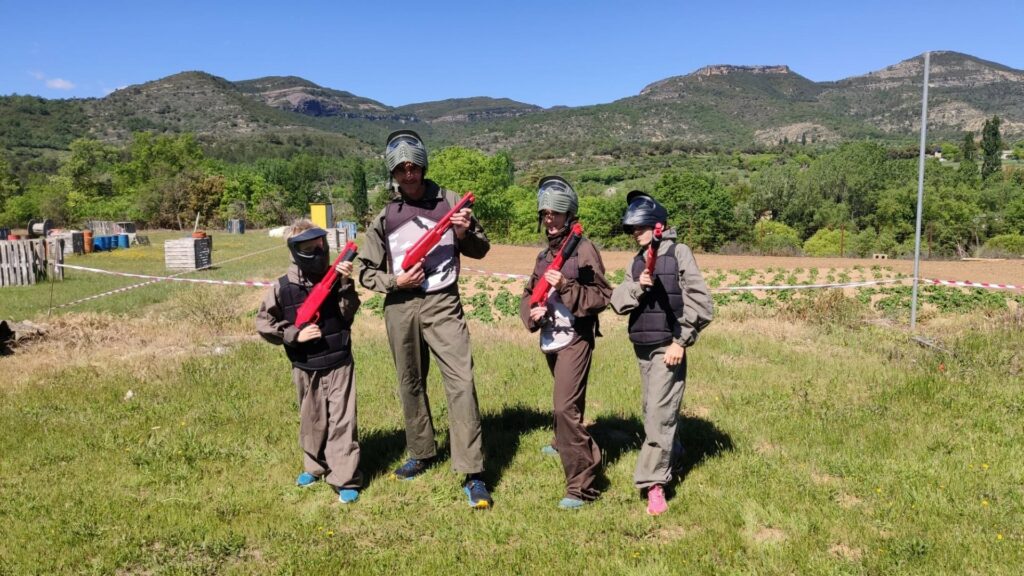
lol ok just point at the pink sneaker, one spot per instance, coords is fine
(656, 500)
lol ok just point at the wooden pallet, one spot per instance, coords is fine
(188, 253)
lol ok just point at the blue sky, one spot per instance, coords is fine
(545, 53)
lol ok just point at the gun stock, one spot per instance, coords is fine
(426, 243)
(540, 290)
(309, 312)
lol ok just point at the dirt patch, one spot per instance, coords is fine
(847, 501)
(520, 259)
(768, 535)
(845, 552)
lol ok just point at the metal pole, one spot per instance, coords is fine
(920, 194)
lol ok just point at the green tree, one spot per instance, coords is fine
(991, 147)
(775, 238)
(699, 208)
(359, 198)
(969, 147)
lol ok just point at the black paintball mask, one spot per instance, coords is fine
(312, 262)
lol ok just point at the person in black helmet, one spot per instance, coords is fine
(568, 325)
(667, 310)
(321, 356)
(423, 312)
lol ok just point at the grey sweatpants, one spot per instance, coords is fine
(419, 324)
(328, 434)
(662, 393)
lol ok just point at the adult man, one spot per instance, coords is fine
(423, 311)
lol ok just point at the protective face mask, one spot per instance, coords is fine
(313, 263)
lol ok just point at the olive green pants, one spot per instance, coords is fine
(419, 325)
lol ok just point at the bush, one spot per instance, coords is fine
(825, 242)
(1003, 245)
(776, 239)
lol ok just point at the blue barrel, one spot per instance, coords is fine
(97, 243)
(122, 240)
(111, 242)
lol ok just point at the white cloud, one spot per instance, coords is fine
(59, 84)
(55, 83)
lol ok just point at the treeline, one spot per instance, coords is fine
(854, 200)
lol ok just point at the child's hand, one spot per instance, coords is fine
(555, 278)
(311, 332)
(344, 269)
(674, 354)
(645, 279)
(537, 313)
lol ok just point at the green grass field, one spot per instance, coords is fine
(813, 447)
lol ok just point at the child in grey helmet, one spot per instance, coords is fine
(568, 324)
(667, 310)
(321, 355)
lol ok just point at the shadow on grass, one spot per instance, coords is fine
(502, 432)
(378, 450)
(700, 440)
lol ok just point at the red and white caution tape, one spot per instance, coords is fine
(254, 283)
(808, 286)
(154, 279)
(969, 284)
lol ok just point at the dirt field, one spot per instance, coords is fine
(519, 260)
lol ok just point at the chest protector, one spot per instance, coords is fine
(560, 331)
(654, 321)
(334, 347)
(404, 224)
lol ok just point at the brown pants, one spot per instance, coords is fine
(419, 324)
(581, 458)
(328, 434)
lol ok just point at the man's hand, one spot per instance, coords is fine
(555, 279)
(344, 269)
(537, 314)
(674, 354)
(461, 222)
(645, 279)
(411, 278)
(311, 332)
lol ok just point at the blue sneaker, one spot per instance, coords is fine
(306, 480)
(410, 469)
(477, 493)
(569, 503)
(549, 450)
(348, 495)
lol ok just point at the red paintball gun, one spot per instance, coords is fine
(427, 242)
(309, 312)
(540, 290)
(652, 248)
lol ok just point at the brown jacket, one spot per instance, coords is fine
(585, 296)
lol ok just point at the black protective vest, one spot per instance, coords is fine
(334, 347)
(654, 321)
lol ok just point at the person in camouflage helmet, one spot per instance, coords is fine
(667, 310)
(568, 325)
(423, 312)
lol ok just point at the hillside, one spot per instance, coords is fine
(723, 106)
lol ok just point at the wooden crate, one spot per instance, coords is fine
(74, 242)
(22, 262)
(336, 238)
(188, 253)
